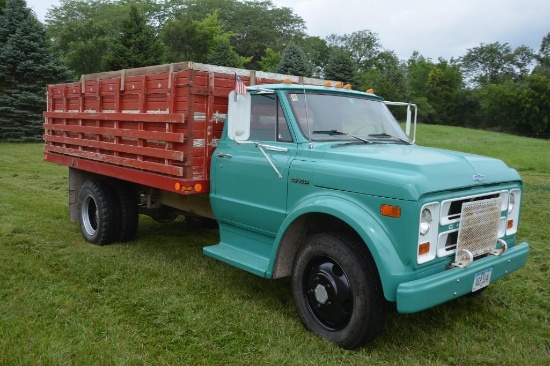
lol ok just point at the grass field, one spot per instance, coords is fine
(160, 301)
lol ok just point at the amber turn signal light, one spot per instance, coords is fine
(390, 211)
(424, 248)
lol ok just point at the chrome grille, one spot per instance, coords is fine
(478, 230)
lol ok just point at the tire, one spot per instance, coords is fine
(128, 205)
(337, 290)
(97, 212)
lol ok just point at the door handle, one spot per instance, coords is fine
(223, 155)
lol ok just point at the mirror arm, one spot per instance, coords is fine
(259, 146)
(268, 147)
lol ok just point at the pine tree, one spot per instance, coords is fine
(341, 67)
(294, 62)
(26, 67)
(224, 55)
(136, 45)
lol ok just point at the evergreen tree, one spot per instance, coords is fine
(294, 62)
(26, 67)
(224, 55)
(136, 44)
(341, 67)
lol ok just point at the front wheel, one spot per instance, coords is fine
(337, 290)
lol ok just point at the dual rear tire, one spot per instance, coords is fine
(107, 212)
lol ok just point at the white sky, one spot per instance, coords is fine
(435, 28)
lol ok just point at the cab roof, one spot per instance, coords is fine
(312, 88)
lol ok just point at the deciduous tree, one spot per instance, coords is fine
(270, 60)
(543, 57)
(387, 77)
(495, 62)
(363, 46)
(257, 25)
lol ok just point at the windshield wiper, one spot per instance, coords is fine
(385, 135)
(330, 132)
(362, 139)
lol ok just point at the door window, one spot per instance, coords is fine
(268, 122)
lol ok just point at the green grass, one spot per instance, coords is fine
(160, 301)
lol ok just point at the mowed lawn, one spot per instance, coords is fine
(160, 301)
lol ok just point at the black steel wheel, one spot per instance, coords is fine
(337, 291)
(98, 213)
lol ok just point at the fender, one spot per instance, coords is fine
(364, 223)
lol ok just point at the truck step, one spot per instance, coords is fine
(243, 249)
(239, 257)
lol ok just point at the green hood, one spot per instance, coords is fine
(403, 171)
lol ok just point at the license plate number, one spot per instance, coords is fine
(482, 279)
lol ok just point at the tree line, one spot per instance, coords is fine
(492, 86)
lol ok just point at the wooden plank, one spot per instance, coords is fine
(149, 179)
(131, 163)
(131, 117)
(121, 148)
(117, 132)
(256, 77)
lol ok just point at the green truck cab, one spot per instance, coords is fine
(322, 184)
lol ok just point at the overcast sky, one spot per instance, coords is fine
(435, 28)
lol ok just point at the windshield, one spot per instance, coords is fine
(332, 117)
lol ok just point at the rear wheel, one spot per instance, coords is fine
(337, 291)
(128, 206)
(98, 214)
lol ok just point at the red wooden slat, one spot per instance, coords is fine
(132, 175)
(131, 163)
(111, 146)
(141, 117)
(147, 135)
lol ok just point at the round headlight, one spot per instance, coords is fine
(511, 202)
(425, 221)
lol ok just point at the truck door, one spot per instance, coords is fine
(246, 188)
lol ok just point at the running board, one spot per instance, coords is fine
(243, 249)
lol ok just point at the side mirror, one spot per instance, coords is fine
(238, 116)
(408, 124)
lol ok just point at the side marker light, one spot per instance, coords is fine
(390, 211)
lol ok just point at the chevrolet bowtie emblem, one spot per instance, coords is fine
(479, 177)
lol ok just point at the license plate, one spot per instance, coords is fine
(482, 279)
